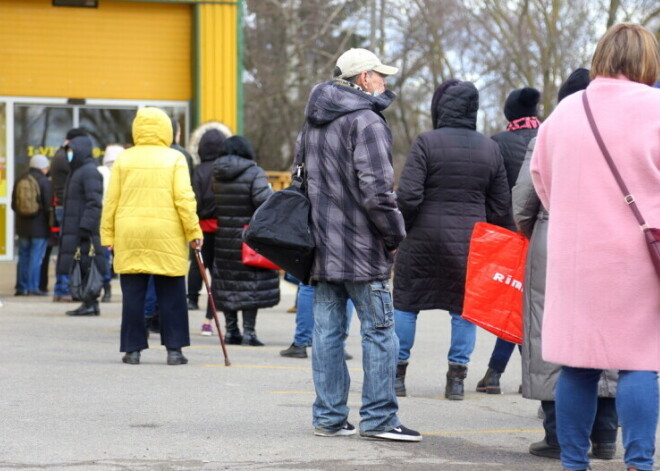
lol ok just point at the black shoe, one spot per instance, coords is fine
(107, 294)
(131, 358)
(192, 305)
(20, 292)
(603, 451)
(250, 338)
(545, 450)
(454, 390)
(85, 310)
(37, 293)
(294, 351)
(175, 357)
(490, 383)
(346, 431)
(398, 434)
(233, 337)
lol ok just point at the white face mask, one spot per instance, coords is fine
(376, 93)
(69, 155)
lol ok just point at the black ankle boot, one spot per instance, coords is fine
(107, 293)
(233, 334)
(175, 357)
(88, 308)
(249, 333)
(455, 376)
(490, 383)
(400, 380)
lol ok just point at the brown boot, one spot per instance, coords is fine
(455, 376)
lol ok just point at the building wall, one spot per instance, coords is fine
(120, 50)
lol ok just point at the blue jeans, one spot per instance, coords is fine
(61, 281)
(30, 254)
(150, 298)
(463, 336)
(305, 316)
(373, 302)
(636, 403)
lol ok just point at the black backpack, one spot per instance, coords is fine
(280, 228)
(28, 196)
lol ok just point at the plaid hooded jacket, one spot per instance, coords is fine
(355, 218)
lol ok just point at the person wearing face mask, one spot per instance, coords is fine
(83, 197)
(59, 172)
(346, 145)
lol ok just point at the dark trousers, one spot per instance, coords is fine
(194, 277)
(501, 355)
(605, 425)
(171, 293)
(45, 265)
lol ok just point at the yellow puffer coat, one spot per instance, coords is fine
(149, 212)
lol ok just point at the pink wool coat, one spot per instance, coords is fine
(602, 304)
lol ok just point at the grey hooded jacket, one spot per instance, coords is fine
(355, 219)
(539, 377)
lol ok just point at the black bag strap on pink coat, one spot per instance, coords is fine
(652, 235)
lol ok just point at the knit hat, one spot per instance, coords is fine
(578, 80)
(522, 103)
(75, 132)
(39, 161)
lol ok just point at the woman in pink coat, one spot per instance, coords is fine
(602, 305)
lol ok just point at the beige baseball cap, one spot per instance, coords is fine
(357, 60)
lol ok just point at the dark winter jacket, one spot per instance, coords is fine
(59, 172)
(83, 197)
(209, 150)
(186, 154)
(240, 187)
(36, 226)
(454, 177)
(513, 146)
(355, 219)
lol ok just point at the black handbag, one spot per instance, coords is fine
(85, 282)
(651, 234)
(280, 228)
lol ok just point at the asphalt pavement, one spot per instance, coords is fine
(68, 403)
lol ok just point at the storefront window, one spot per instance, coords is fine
(108, 126)
(38, 129)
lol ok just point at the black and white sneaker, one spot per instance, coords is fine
(398, 434)
(347, 430)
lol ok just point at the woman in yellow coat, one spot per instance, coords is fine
(149, 216)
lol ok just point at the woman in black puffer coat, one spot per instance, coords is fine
(83, 201)
(454, 177)
(240, 187)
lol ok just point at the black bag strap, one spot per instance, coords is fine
(300, 172)
(628, 197)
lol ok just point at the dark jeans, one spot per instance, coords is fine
(605, 425)
(171, 293)
(501, 355)
(194, 277)
(45, 265)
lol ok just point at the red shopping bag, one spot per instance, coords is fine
(250, 257)
(494, 281)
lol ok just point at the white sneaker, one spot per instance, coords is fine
(399, 434)
(347, 430)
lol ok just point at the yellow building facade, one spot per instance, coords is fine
(94, 64)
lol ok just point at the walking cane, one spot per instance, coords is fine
(202, 271)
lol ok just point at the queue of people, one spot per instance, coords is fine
(591, 299)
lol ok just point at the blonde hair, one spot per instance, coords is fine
(630, 50)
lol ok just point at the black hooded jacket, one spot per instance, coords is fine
(83, 201)
(240, 187)
(35, 226)
(209, 149)
(454, 177)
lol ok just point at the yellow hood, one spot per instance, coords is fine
(152, 127)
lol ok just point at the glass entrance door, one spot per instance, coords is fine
(30, 126)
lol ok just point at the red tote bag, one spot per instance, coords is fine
(254, 259)
(494, 281)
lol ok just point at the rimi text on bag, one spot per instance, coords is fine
(494, 281)
(27, 196)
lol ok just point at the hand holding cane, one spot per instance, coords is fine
(202, 271)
